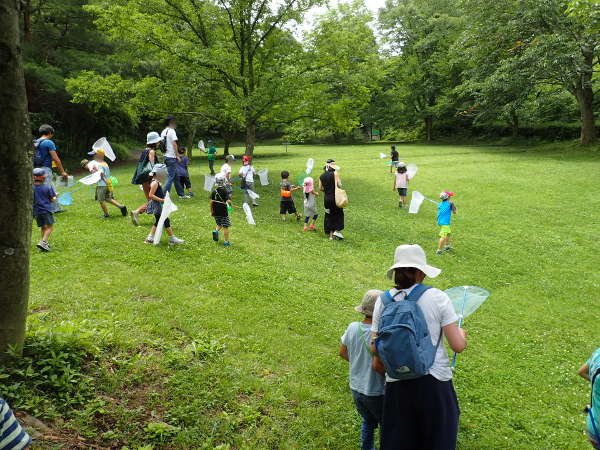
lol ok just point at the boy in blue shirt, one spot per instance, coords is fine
(367, 386)
(183, 173)
(43, 199)
(445, 210)
(45, 156)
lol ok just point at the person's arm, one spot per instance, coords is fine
(456, 337)
(321, 186)
(151, 194)
(152, 156)
(175, 147)
(338, 180)
(584, 371)
(394, 184)
(378, 365)
(453, 208)
(58, 162)
(344, 352)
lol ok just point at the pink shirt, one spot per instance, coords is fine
(402, 180)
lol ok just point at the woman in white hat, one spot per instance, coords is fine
(142, 175)
(421, 413)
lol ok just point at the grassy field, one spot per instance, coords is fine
(202, 346)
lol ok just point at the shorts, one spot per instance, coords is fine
(287, 207)
(103, 194)
(395, 163)
(185, 182)
(223, 221)
(445, 230)
(402, 192)
(166, 223)
(44, 220)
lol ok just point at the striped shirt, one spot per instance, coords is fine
(12, 436)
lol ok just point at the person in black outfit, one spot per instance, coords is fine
(334, 216)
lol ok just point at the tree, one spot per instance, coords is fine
(421, 33)
(241, 45)
(15, 177)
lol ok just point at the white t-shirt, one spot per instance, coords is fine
(438, 311)
(226, 169)
(248, 173)
(170, 136)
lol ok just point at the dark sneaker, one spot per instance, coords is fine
(227, 244)
(215, 235)
(438, 252)
(448, 249)
(105, 216)
(123, 210)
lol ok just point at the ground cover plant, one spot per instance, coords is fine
(202, 346)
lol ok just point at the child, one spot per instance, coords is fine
(310, 204)
(212, 155)
(220, 201)
(367, 385)
(445, 210)
(157, 198)
(394, 158)
(12, 436)
(286, 206)
(246, 175)
(401, 183)
(43, 197)
(226, 172)
(182, 172)
(591, 372)
(104, 188)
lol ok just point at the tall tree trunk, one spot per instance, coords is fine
(250, 137)
(428, 128)
(26, 20)
(15, 179)
(585, 98)
(227, 139)
(192, 129)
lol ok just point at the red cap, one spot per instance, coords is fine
(245, 159)
(450, 194)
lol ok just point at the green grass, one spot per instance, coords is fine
(238, 347)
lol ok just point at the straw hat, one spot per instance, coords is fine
(368, 302)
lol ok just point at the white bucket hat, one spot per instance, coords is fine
(153, 137)
(412, 256)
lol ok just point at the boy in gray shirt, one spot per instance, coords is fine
(367, 386)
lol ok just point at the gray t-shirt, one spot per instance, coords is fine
(363, 378)
(438, 311)
(286, 186)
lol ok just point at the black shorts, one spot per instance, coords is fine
(287, 207)
(223, 221)
(185, 182)
(44, 220)
(402, 192)
(157, 219)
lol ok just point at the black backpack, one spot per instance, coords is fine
(38, 160)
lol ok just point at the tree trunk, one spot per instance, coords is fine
(428, 128)
(227, 139)
(15, 179)
(585, 98)
(250, 137)
(514, 124)
(192, 129)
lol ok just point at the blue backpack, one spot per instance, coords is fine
(38, 160)
(403, 342)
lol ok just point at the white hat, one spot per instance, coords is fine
(153, 137)
(412, 256)
(158, 169)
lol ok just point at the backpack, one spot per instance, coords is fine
(143, 169)
(38, 160)
(162, 146)
(404, 343)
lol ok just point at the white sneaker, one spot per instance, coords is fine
(183, 197)
(175, 240)
(134, 218)
(43, 246)
(338, 235)
(149, 240)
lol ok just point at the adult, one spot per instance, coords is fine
(226, 172)
(45, 155)
(247, 174)
(148, 155)
(334, 216)
(420, 413)
(395, 158)
(172, 156)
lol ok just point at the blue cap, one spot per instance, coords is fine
(39, 172)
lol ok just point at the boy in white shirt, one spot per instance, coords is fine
(172, 156)
(247, 174)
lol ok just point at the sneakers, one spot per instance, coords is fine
(183, 197)
(43, 246)
(191, 194)
(215, 235)
(298, 218)
(448, 249)
(134, 218)
(254, 204)
(226, 244)
(174, 240)
(312, 228)
(105, 215)
(338, 235)
(438, 252)
(123, 210)
(305, 228)
(149, 239)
